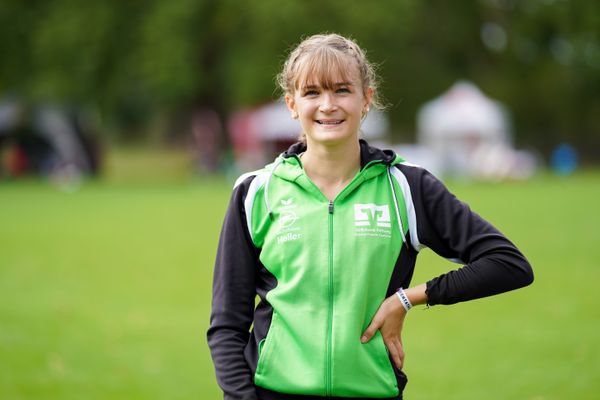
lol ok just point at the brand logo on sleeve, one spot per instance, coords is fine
(372, 220)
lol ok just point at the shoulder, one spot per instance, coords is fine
(253, 180)
(247, 189)
(418, 178)
(257, 177)
(246, 179)
(411, 177)
(411, 171)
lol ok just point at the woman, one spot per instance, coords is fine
(327, 236)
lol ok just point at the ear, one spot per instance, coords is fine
(369, 96)
(291, 105)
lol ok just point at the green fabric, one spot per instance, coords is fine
(332, 276)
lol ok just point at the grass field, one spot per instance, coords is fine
(105, 292)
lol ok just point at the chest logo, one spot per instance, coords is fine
(372, 215)
(288, 218)
(288, 230)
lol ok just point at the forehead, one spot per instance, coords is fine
(326, 71)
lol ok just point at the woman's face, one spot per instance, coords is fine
(330, 115)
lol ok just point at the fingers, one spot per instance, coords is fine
(371, 329)
(389, 321)
(396, 350)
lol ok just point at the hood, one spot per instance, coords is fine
(288, 165)
(367, 153)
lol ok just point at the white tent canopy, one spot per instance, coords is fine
(460, 112)
(461, 125)
(468, 134)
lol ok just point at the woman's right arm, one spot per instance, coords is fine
(233, 301)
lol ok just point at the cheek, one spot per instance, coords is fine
(355, 107)
(306, 110)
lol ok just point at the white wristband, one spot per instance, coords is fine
(404, 299)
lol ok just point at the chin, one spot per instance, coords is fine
(348, 131)
(333, 138)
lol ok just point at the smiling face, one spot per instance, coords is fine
(329, 100)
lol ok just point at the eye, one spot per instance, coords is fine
(343, 89)
(311, 92)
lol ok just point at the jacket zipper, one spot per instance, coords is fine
(329, 344)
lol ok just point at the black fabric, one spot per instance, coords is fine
(402, 273)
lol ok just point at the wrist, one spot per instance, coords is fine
(404, 300)
(417, 294)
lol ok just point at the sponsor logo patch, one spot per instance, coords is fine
(372, 220)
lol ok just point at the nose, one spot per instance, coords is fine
(327, 104)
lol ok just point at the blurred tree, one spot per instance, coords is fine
(151, 63)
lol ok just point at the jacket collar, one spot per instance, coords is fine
(368, 153)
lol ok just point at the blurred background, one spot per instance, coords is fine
(124, 123)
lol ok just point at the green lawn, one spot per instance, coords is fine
(105, 292)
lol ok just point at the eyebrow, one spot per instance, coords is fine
(337, 84)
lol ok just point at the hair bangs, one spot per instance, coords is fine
(325, 68)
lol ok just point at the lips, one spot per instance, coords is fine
(329, 121)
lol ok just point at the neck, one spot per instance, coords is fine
(332, 165)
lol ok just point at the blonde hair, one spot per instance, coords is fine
(324, 57)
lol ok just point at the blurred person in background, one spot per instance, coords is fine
(46, 140)
(206, 129)
(327, 236)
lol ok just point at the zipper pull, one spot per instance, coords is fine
(330, 207)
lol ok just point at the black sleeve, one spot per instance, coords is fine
(448, 226)
(233, 301)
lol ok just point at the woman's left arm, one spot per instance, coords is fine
(492, 264)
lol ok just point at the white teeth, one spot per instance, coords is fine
(337, 122)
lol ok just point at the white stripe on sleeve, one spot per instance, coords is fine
(410, 208)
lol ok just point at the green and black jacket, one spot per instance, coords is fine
(321, 269)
